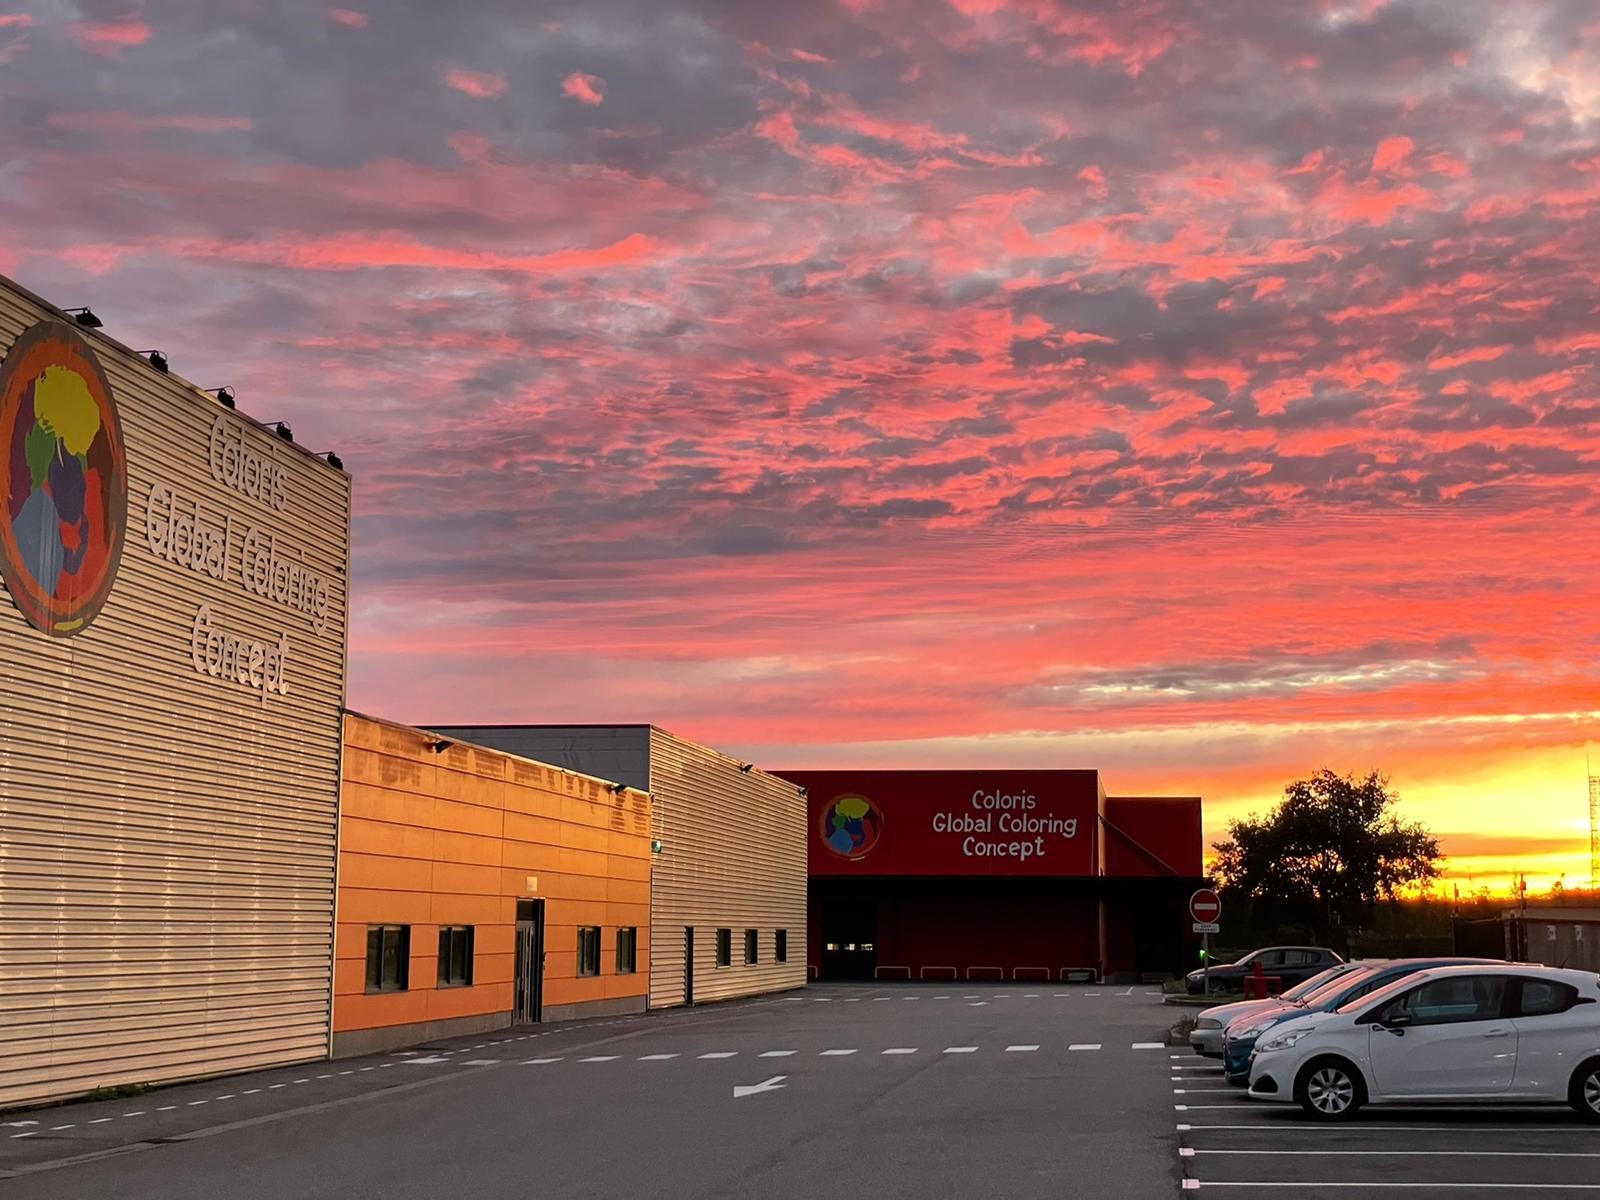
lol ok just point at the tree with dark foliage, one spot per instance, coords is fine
(1329, 852)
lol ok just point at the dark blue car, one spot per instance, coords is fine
(1240, 1041)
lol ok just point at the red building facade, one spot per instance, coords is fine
(1016, 875)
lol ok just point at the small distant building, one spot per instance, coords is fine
(1003, 875)
(1555, 935)
(728, 872)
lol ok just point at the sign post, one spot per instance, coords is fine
(1205, 910)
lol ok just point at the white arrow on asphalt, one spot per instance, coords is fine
(770, 1085)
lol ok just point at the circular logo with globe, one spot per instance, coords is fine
(63, 480)
(851, 826)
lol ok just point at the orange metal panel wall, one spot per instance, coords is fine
(451, 838)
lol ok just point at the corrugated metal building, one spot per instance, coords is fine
(479, 890)
(172, 673)
(728, 883)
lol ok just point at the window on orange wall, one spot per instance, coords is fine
(780, 946)
(589, 950)
(627, 950)
(724, 947)
(752, 947)
(388, 957)
(455, 955)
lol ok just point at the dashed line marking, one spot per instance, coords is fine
(101, 1120)
(1084, 1046)
(656, 1057)
(777, 1053)
(135, 1113)
(30, 1133)
(195, 1103)
(901, 1050)
(960, 1049)
(59, 1128)
(835, 1053)
(601, 1058)
(713, 1054)
(1020, 1049)
(540, 1061)
(1148, 1046)
(480, 1062)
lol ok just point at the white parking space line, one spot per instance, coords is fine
(1084, 1046)
(1416, 1153)
(960, 1049)
(835, 1053)
(1149, 1046)
(777, 1053)
(1191, 1184)
(901, 1050)
(713, 1054)
(1020, 1049)
(656, 1057)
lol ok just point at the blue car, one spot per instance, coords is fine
(1240, 1041)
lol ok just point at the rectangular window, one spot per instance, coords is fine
(388, 957)
(781, 945)
(627, 950)
(751, 948)
(724, 947)
(455, 955)
(589, 950)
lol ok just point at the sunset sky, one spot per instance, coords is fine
(1203, 392)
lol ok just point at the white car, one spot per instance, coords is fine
(1206, 1037)
(1482, 1033)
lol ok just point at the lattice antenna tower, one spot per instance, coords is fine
(1594, 825)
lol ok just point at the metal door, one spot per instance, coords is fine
(528, 999)
(688, 964)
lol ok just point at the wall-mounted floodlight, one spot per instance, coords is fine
(440, 745)
(746, 768)
(84, 317)
(334, 460)
(223, 394)
(656, 846)
(804, 795)
(157, 359)
(281, 429)
(618, 788)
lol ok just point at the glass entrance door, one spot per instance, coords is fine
(528, 997)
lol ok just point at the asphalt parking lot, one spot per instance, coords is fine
(1228, 1143)
(896, 1092)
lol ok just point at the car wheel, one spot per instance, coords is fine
(1584, 1094)
(1330, 1089)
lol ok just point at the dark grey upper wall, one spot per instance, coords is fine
(619, 753)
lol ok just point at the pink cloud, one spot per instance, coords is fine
(348, 17)
(1392, 153)
(119, 124)
(585, 89)
(807, 56)
(108, 38)
(16, 20)
(481, 85)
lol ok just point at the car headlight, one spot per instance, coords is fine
(1208, 1023)
(1256, 1030)
(1282, 1041)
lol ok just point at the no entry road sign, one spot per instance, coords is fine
(1205, 907)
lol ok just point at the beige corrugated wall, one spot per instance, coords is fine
(167, 837)
(734, 857)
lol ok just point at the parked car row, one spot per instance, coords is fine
(1288, 964)
(1415, 1031)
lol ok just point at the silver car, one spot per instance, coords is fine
(1212, 1024)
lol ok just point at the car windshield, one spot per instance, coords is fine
(1335, 987)
(1386, 992)
(1315, 982)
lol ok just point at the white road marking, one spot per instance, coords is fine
(720, 1054)
(777, 1053)
(656, 1057)
(59, 1128)
(979, 1004)
(431, 1058)
(875, 999)
(1019, 1049)
(528, 1062)
(767, 1085)
(1129, 992)
(100, 1120)
(193, 1103)
(229, 1096)
(902, 1050)
(835, 1053)
(1185, 1151)
(140, 1112)
(960, 1049)
(1149, 1046)
(30, 1133)
(478, 1062)
(1030, 995)
(1084, 1046)
(601, 1058)
(1424, 1153)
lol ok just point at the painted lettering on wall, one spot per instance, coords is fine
(230, 548)
(1005, 825)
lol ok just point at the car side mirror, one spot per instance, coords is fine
(1397, 1020)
